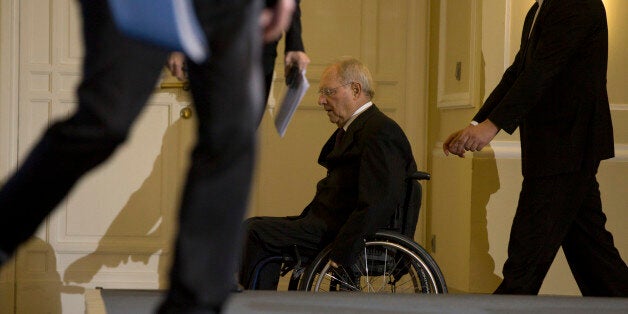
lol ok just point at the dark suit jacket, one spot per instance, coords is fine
(555, 91)
(364, 183)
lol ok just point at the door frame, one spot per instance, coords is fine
(9, 63)
(417, 74)
(9, 80)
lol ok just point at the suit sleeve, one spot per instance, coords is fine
(564, 30)
(380, 186)
(508, 79)
(294, 42)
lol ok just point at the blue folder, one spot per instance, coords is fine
(171, 24)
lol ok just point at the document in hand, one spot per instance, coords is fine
(171, 24)
(294, 94)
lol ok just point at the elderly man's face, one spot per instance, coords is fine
(336, 97)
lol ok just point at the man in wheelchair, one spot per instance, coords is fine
(367, 159)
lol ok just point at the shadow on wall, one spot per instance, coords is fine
(35, 265)
(37, 279)
(134, 236)
(485, 183)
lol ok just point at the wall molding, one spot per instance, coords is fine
(497, 150)
(512, 150)
(9, 61)
(619, 107)
(621, 153)
(467, 98)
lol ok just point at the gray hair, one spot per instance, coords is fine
(352, 70)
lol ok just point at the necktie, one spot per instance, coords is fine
(339, 134)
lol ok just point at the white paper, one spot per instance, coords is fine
(290, 102)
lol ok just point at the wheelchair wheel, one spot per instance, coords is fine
(389, 263)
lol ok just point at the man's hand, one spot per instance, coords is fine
(472, 138)
(449, 148)
(275, 20)
(298, 58)
(176, 62)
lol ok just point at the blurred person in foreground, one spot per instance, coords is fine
(119, 74)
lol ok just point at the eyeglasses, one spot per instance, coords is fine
(328, 92)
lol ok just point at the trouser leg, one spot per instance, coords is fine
(227, 92)
(273, 236)
(547, 207)
(591, 253)
(269, 54)
(118, 77)
(256, 249)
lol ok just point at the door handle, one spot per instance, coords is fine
(186, 112)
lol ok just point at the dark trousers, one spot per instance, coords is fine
(274, 236)
(563, 210)
(119, 75)
(269, 55)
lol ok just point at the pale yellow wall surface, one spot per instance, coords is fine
(472, 201)
(450, 225)
(457, 44)
(616, 11)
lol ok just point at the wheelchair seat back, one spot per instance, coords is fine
(406, 215)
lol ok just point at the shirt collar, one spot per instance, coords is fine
(356, 113)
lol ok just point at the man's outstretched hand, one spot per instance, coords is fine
(472, 138)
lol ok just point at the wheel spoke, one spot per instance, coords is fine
(385, 279)
(400, 264)
(340, 281)
(366, 265)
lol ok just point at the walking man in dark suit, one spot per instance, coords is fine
(294, 51)
(555, 92)
(294, 55)
(367, 160)
(119, 74)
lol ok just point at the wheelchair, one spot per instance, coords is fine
(391, 262)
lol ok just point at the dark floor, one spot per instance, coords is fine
(143, 301)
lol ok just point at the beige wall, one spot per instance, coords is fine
(472, 200)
